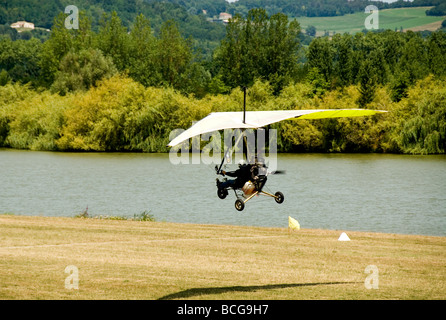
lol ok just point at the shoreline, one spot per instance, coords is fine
(167, 152)
(130, 220)
(153, 220)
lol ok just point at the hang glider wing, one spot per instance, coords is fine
(257, 119)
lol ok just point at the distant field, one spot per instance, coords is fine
(407, 18)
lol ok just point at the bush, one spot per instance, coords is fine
(80, 71)
(96, 119)
(421, 119)
(34, 123)
(122, 115)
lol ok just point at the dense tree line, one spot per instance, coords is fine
(77, 58)
(41, 13)
(120, 114)
(372, 59)
(120, 89)
(439, 10)
(191, 15)
(259, 46)
(206, 34)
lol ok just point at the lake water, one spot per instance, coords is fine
(365, 192)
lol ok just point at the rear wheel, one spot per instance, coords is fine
(239, 205)
(222, 193)
(279, 197)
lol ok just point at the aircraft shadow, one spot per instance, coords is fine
(219, 290)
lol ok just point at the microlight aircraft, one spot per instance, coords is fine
(243, 120)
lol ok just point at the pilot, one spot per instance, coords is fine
(241, 175)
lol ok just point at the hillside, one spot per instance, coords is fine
(197, 18)
(393, 19)
(42, 14)
(301, 8)
(191, 15)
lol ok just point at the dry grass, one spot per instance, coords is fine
(158, 260)
(429, 27)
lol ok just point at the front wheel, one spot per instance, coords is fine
(239, 205)
(279, 197)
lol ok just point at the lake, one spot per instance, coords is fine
(362, 192)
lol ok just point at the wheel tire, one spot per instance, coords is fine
(222, 193)
(239, 205)
(279, 197)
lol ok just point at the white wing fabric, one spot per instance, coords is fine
(257, 119)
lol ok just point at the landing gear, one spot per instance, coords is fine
(222, 193)
(278, 196)
(244, 195)
(239, 205)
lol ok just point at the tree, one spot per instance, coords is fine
(436, 51)
(421, 119)
(439, 10)
(320, 56)
(414, 59)
(54, 49)
(83, 36)
(174, 54)
(367, 82)
(232, 57)
(20, 59)
(258, 47)
(282, 51)
(196, 80)
(342, 66)
(392, 46)
(82, 70)
(378, 65)
(142, 53)
(317, 81)
(61, 41)
(399, 86)
(113, 40)
(311, 31)
(4, 77)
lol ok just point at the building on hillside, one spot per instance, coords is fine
(224, 17)
(21, 25)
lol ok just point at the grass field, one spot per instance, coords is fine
(159, 260)
(407, 18)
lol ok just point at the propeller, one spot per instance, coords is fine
(277, 172)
